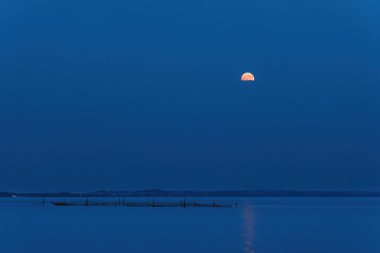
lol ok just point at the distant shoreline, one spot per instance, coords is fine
(194, 193)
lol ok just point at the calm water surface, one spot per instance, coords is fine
(260, 225)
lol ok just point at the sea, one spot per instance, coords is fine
(251, 225)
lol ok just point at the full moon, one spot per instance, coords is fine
(247, 77)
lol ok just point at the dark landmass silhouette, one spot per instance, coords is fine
(198, 193)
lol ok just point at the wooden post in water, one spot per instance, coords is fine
(43, 201)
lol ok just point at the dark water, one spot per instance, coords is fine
(260, 225)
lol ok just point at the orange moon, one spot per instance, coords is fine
(247, 77)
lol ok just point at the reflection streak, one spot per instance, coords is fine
(248, 229)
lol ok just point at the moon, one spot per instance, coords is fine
(247, 77)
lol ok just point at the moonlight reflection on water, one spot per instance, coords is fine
(248, 228)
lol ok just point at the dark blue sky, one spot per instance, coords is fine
(146, 94)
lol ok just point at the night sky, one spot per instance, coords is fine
(147, 94)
